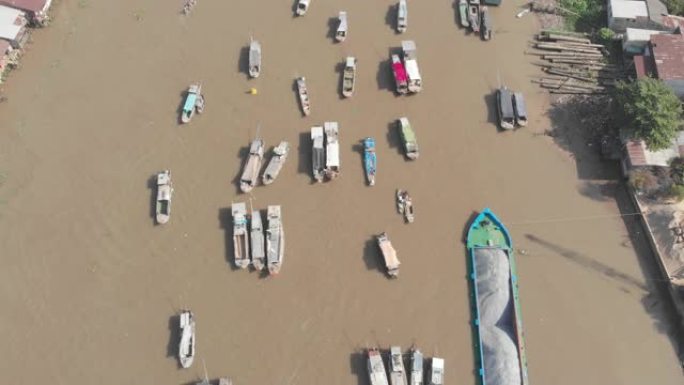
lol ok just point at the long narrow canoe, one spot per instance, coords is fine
(497, 319)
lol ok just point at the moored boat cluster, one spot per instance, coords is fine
(397, 370)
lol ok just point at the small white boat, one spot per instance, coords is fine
(302, 7)
(186, 346)
(257, 241)
(303, 96)
(275, 240)
(436, 371)
(240, 237)
(416, 367)
(341, 33)
(376, 368)
(349, 77)
(463, 13)
(397, 371)
(402, 16)
(276, 163)
(254, 59)
(250, 175)
(389, 254)
(332, 150)
(194, 102)
(318, 153)
(405, 205)
(164, 193)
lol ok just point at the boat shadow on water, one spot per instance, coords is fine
(358, 148)
(174, 337)
(332, 24)
(391, 17)
(492, 114)
(304, 161)
(243, 155)
(373, 258)
(339, 70)
(225, 217)
(152, 186)
(243, 61)
(358, 366)
(394, 137)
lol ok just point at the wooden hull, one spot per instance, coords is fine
(186, 345)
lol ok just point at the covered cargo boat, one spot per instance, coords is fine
(349, 77)
(303, 94)
(186, 345)
(341, 33)
(496, 308)
(437, 372)
(275, 240)
(240, 237)
(257, 241)
(164, 193)
(276, 163)
(389, 254)
(415, 81)
(402, 16)
(318, 153)
(376, 368)
(504, 103)
(400, 77)
(416, 367)
(250, 175)
(254, 59)
(463, 13)
(408, 138)
(332, 150)
(397, 371)
(486, 24)
(520, 109)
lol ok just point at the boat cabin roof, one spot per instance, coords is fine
(369, 143)
(505, 102)
(399, 70)
(257, 147)
(408, 46)
(519, 104)
(407, 130)
(238, 209)
(412, 69)
(351, 61)
(317, 132)
(190, 101)
(163, 178)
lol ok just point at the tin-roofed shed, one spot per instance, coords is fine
(12, 25)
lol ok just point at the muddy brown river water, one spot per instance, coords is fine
(89, 285)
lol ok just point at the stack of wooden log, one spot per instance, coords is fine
(574, 65)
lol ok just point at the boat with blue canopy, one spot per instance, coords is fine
(499, 337)
(194, 102)
(369, 160)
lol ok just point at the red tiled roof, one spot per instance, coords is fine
(672, 21)
(668, 55)
(644, 66)
(25, 5)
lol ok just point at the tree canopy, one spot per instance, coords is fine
(650, 110)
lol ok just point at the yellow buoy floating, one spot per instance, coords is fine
(253, 91)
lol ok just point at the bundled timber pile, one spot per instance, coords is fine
(573, 64)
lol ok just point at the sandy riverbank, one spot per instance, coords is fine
(89, 284)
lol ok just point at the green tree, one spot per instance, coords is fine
(650, 109)
(676, 7)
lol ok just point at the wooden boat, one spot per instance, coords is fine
(240, 238)
(302, 7)
(463, 13)
(520, 109)
(225, 381)
(436, 371)
(486, 24)
(405, 205)
(376, 368)
(496, 305)
(318, 153)
(416, 367)
(221, 381)
(349, 77)
(397, 371)
(369, 160)
(257, 241)
(474, 17)
(504, 104)
(400, 77)
(186, 346)
(164, 193)
(332, 150)
(408, 138)
(341, 33)
(415, 81)
(303, 96)
(402, 16)
(194, 102)
(275, 240)
(389, 254)
(254, 59)
(276, 163)
(250, 175)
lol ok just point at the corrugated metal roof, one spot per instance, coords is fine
(628, 9)
(11, 22)
(644, 66)
(27, 5)
(656, 10)
(668, 55)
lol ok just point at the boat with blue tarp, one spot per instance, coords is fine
(194, 102)
(497, 326)
(370, 160)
